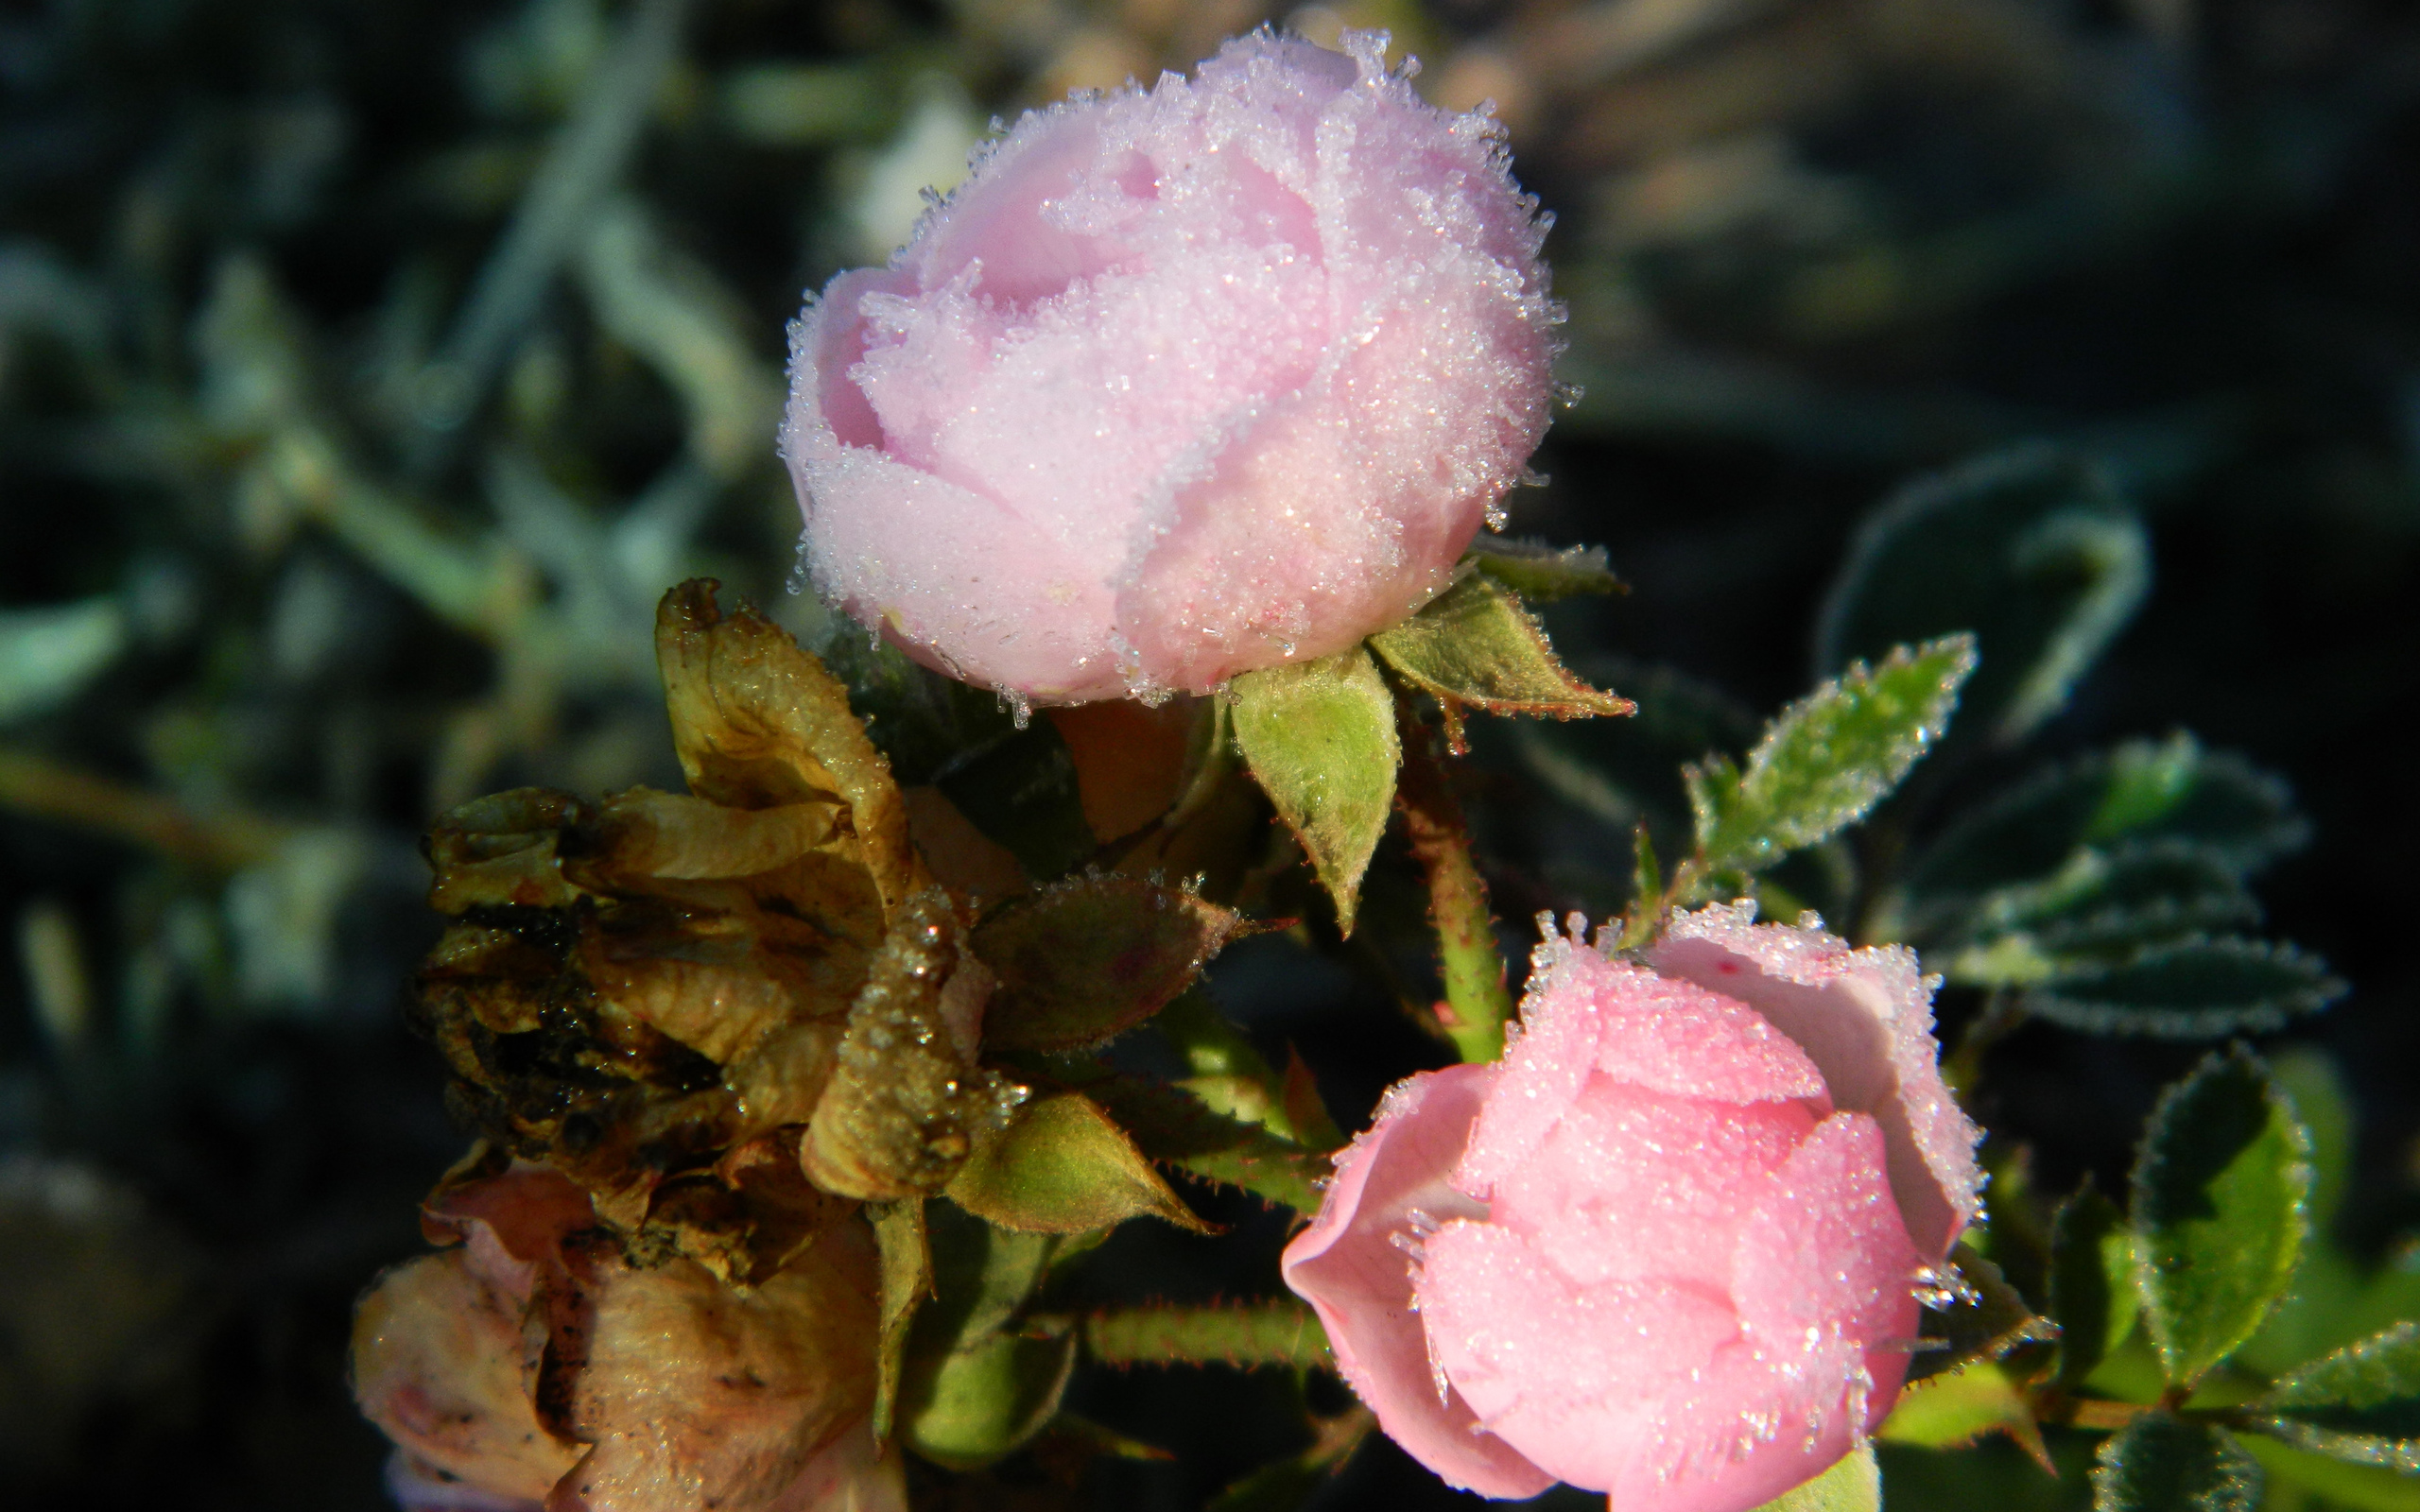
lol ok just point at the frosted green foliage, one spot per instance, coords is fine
(2160, 1464)
(2192, 989)
(1829, 758)
(1853, 1485)
(2361, 1404)
(2093, 1296)
(2219, 1210)
(2031, 549)
(1320, 737)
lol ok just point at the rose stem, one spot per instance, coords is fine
(1477, 1000)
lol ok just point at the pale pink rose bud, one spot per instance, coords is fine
(1180, 383)
(1670, 1246)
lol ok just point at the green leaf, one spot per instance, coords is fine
(2310, 1081)
(1020, 789)
(2361, 1487)
(2195, 988)
(2116, 900)
(1852, 1485)
(1089, 958)
(1320, 737)
(1540, 572)
(48, 655)
(907, 1273)
(2360, 1405)
(1175, 1127)
(2217, 1211)
(1829, 758)
(977, 1405)
(2033, 550)
(1953, 1410)
(1979, 1316)
(2143, 791)
(1474, 646)
(1281, 1332)
(2160, 1464)
(2092, 1282)
(1061, 1167)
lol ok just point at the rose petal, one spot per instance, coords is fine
(1636, 1185)
(1352, 1264)
(1568, 1374)
(1864, 1017)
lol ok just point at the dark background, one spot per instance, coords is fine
(1812, 250)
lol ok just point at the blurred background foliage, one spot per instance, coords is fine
(368, 368)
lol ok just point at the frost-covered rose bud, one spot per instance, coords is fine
(1667, 1248)
(1180, 383)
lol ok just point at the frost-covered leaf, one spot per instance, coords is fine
(977, 1405)
(2339, 1484)
(2161, 1464)
(1979, 1316)
(1955, 1409)
(1091, 958)
(2194, 988)
(1853, 1485)
(2218, 1212)
(1246, 1334)
(1475, 647)
(2104, 900)
(1540, 572)
(1828, 757)
(1176, 1129)
(1320, 738)
(2143, 791)
(1061, 1167)
(2361, 1404)
(2092, 1282)
(2309, 1078)
(47, 655)
(2033, 550)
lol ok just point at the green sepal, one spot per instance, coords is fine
(906, 1275)
(2033, 550)
(1063, 1166)
(1276, 1332)
(983, 1276)
(1854, 1483)
(2219, 1194)
(1320, 738)
(1983, 1318)
(1291, 1482)
(1082, 961)
(2091, 1284)
(2360, 1405)
(1829, 758)
(1540, 572)
(2191, 989)
(977, 1405)
(2163, 1464)
(1474, 646)
(1961, 1406)
(1176, 1129)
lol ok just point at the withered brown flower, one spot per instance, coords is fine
(724, 1014)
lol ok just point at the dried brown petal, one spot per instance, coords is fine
(696, 1394)
(759, 723)
(907, 1101)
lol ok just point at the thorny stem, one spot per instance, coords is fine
(1475, 994)
(1245, 1334)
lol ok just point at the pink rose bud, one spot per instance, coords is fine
(1180, 383)
(1668, 1247)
